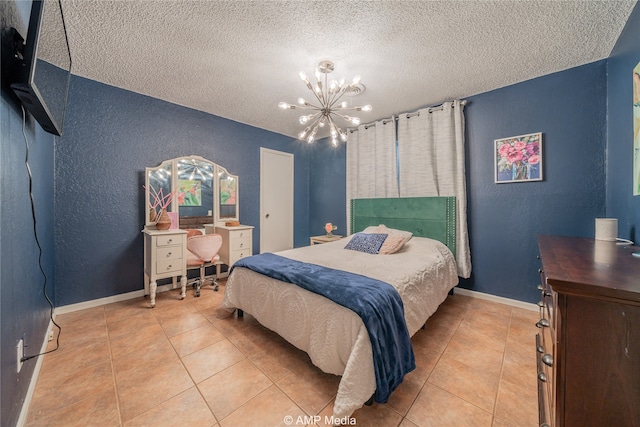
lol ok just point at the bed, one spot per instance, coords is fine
(335, 338)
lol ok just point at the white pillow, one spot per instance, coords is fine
(395, 240)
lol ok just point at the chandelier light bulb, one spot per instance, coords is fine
(326, 106)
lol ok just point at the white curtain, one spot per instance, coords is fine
(371, 163)
(432, 163)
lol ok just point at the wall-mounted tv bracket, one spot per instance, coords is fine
(12, 54)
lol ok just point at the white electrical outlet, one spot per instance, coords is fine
(50, 335)
(20, 353)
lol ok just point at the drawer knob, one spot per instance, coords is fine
(170, 240)
(540, 287)
(168, 254)
(241, 244)
(540, 303)
(542, 377)
(540, 349)
(169, 267)
(540, 271)
(543, 323)
(547, 359)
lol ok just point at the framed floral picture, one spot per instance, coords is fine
(518, 158)
(636, 130)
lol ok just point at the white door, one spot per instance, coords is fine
(276, 200)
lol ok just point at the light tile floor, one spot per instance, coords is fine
(188, 362)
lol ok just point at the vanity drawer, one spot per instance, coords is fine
(240, 244)
(170, 239)
(238, 254)
(168, 266)
(169, 252)
(240, 234)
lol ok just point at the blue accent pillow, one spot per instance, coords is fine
(366, 242)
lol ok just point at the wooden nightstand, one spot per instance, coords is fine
(324, 239)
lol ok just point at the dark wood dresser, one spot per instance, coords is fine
(588, 346)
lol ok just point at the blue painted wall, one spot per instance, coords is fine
(111, 135)
(569, 108)
(621, 203)
(24, 311)
(504, 219)
(327, 180)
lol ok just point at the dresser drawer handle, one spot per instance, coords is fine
(543, 323)
(170, 240)
(540, 303)
(540, 287)
(168, 254)
(540, 349)
(542, 377)
(241, 244)
(547, 359)
(540, 271)
(169, 267)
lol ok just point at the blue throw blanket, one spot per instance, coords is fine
(376, 302)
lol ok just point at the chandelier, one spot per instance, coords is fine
(327, 109)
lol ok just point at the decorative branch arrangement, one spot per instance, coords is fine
(160, 201)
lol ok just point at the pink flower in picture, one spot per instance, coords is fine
(514, 155)
(518, 158)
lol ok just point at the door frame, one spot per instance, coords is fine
(289, 187)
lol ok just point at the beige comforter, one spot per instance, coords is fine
(335, 338)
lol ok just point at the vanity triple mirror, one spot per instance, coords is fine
(200, 191)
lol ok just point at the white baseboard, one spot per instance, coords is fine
(24, 412)
(108, 300)
(494, 298)
(102, 301)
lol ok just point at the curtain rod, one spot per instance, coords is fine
(409, 115)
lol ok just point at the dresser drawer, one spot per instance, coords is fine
(170, 239)
(544, 390)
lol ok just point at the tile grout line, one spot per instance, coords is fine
(504, 356)
(113, 369)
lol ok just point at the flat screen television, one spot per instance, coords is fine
(44, 67)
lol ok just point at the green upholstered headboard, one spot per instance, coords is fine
(433, 217)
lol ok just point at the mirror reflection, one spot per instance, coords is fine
(198, 198)
(159, 187)
(195, 188)
(228, 195)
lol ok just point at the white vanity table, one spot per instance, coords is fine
(237, 241)
(164, 257)
(206, 196)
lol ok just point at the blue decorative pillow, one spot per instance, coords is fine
(366, 242)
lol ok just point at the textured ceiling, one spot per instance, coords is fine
(238, 59)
